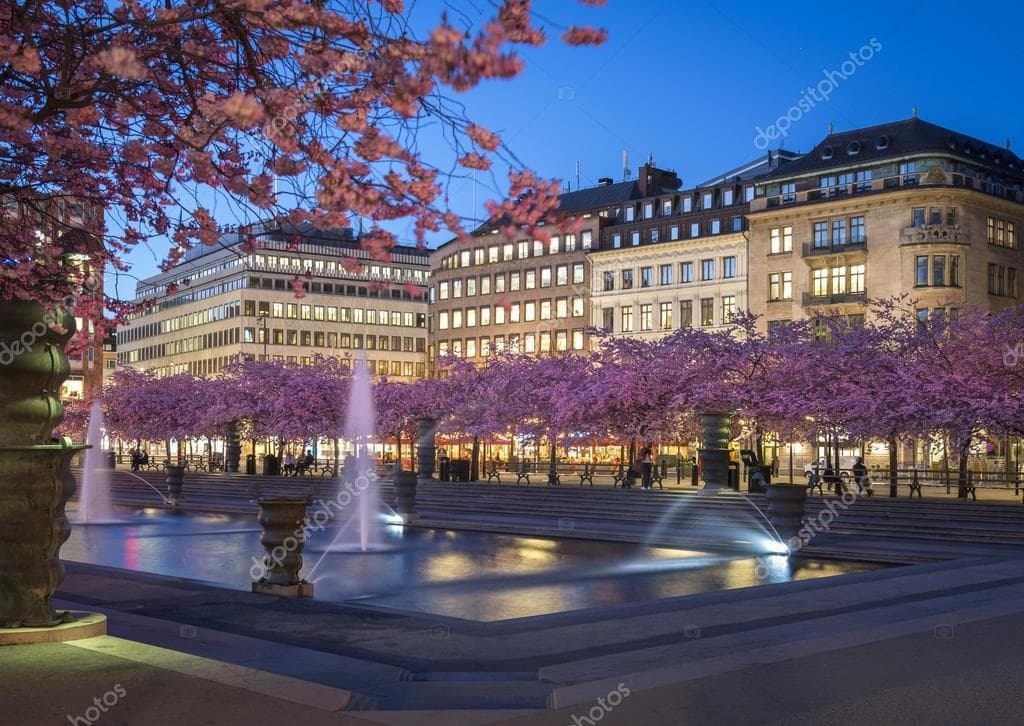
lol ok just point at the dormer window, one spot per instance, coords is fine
(853, 148)
(826, 153)
(882, 143)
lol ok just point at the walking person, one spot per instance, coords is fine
(646, 467)
(860, 475)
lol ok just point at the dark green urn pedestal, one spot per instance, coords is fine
(786, 504)
(284, 535)
(426, 447)
(405, 495)
(714, 450)
(35, 474)
(175, 483)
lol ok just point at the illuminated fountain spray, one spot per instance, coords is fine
(360, 426)
(94, 499)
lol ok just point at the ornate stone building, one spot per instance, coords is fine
(905, 207)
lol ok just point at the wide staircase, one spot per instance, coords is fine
(658, 517)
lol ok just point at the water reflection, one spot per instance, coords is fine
(479, 576)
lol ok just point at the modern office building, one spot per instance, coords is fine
(291, 298)
(900, 208)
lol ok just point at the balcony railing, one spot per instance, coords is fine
(835, 299)
(934, 177)
(811, 250)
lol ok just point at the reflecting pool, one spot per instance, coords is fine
(472, 575)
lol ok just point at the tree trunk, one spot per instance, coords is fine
(553, 462)
(965, 450)
(893, 467)
(474, 460)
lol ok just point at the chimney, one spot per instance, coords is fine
(625, 165)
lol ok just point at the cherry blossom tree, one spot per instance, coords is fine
(141, 406)
(131, 122)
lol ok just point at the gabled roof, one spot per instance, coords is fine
(899, 139)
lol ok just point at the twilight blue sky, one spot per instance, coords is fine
(691, 81)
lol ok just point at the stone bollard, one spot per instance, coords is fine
(405, 495)
(786, 509)
(233, 450)
(284, 535)
(175, 482)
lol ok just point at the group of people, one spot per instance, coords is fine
(833, 480)
(643, 467)
(297, 467)
(139, 459)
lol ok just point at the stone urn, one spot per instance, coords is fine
(283, 521)
(714, 449)
(786, 511)
(175, 482)
(405, 495)
(426, 430)
(35, 474)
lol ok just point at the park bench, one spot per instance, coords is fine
(587, 474)
(523, 473)
(492, 472)
(326, 469)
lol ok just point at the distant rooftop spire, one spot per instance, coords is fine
(913, 111)
(830, 127)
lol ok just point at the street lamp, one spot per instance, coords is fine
(262, 322)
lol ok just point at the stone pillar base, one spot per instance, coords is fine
(76, 626)
(301, 589)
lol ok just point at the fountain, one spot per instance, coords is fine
(357, 508)
(94, 505)
(359, 477)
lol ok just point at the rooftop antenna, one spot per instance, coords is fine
(625, 165)
(830, 127)
(913, 111)
(1009, 144)
(578, 176)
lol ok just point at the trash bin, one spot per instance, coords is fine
(250, 464)
(694, 473)
(445, 471)
(734, 475)
(111, 458)
(271, 467)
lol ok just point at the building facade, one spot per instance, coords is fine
(643, 252)
(292, 298)
(677, 258)
(900, 208)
